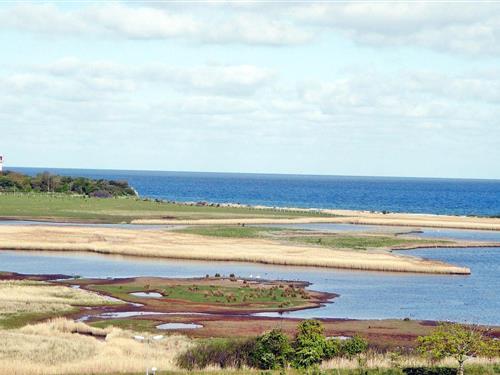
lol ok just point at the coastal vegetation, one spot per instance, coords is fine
(273, 350)
(78, 208)
(360, 241)
(170, 244)
(209, 294)
(50, 183)
(24, 301)
(63, 346)
(60, 345)
(458, 341)
(311, 351)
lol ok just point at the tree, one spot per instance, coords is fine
(452, 340)
(354, 346)
(272, 350)
(310, 344)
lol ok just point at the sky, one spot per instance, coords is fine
(340, 88)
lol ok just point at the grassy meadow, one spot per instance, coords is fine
(24, 301)
(360, 241)
(272, 297)
(63, 207)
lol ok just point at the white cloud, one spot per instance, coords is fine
(233, 80)
(418, 97)
(72, 91)
(465, 28)
(208, 105)
(217, 79)
(143, 22)
(105, 91)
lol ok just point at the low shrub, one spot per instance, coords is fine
(310, 344)
(333, 349)
(354, 346)
(272, 351)
(218, 352)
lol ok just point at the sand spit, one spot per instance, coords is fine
(354, 217)
(168, 244)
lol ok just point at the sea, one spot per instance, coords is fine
(363, 295)
(392, 194)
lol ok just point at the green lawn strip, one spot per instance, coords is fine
(231, 231)
(269, 297)
(360, 242)
(123, 209)
(12, 321)
(137, 325)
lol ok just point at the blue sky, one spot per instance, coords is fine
(353, 88)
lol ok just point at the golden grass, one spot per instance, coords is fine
(378, 360)
(351, 217)
(53, 348)
(23, 297)
(168, 244)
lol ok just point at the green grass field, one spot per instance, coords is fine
(136, 325)
(65, 207)
(360, 242)
(213, 294)
(231, 231)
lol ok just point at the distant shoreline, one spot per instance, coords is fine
(147, 211)
(449, 196)
(340, 216)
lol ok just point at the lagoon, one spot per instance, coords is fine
(363, 295)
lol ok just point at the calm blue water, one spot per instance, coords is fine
(418, 195)
(363, 295)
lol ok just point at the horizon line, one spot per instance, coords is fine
(257, 173)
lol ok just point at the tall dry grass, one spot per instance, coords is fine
(377, 360)
(26, 297)
(167, 244)
(53, 348)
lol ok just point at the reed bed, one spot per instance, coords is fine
(168, 244)
(55, 348)
(385, 360)
(22, 299)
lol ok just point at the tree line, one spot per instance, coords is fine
(51, 183)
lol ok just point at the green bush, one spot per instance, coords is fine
(272, 351)
(310, 344)
(333, 349)
(218, 352)
(354, 346)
